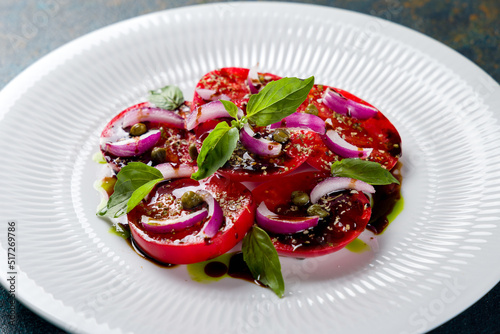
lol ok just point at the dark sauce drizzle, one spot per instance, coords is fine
(384, 200)
(136, 249)
(237, 269)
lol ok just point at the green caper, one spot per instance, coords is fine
(158, 155)
(193, 152)
(281, 136)
(190, 199)
(138, 129)
(312, 109)
(300, 198)
(317, 210)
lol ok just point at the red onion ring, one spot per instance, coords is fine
(259, 146)
(342, 105)
(274, 223)
(211, 95)
(333, 184)
(152, 115)
(133, 146)
(174, 172)
(339, 146)
(301, 121)
(174, 224)
(206, 112)
(215, 214)
(253, 81)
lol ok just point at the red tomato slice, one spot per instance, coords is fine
(349, 214)
(184, 247)
(231, 81)
(376, 132)
(176, 142)
(244, 166)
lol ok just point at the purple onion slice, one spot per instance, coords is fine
(339, 146)
(211, 95)
(333, 184)
(206, 112)
(133, 146)
(149, 114)
(253, 81)
(259, 146)
(170, 171)
(342, 105)
(215, 215)
(174, 224)
(274, 223)
(301, 121)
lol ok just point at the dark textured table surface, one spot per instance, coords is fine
(31, 29)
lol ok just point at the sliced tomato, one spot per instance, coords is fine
(244, 166)
(350, 211)
(231, 81)
(176, 142)
(376, 132)
(186, 246)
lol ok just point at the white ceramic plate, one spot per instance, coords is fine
(435, 260)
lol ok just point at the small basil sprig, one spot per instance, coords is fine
(276, 101)
(134, 182)
(262, 259)
(216, 150)
(168, 97)
(363, 170)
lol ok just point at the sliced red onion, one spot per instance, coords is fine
(149, 114)
(253, 81)
(133, 146)
(170, 172)
(206, 112)
(301, 121)
(342, 105)
(274, 223)
(174, 224)
(211, 95)
(259, 146)
(339, 146)
(215, 215)
(333, 184)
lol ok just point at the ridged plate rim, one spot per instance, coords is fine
(466, 72)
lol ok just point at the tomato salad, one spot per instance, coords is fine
(182, 169)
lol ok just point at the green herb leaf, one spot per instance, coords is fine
(133, 183)
(367, 171)
(231, 108)
(216, 150)
(168, 97)
(262, 259)
(277, 100)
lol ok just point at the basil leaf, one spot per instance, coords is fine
(231, 108)
(367, 171)
(134, 182)
(262, 260)
(216, 150)
(168, 97)
(277, 100)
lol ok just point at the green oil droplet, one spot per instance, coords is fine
(396, 210)
(99, 158)
(118, 230)
(357, 246)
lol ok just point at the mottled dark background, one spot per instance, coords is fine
(31, 29)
